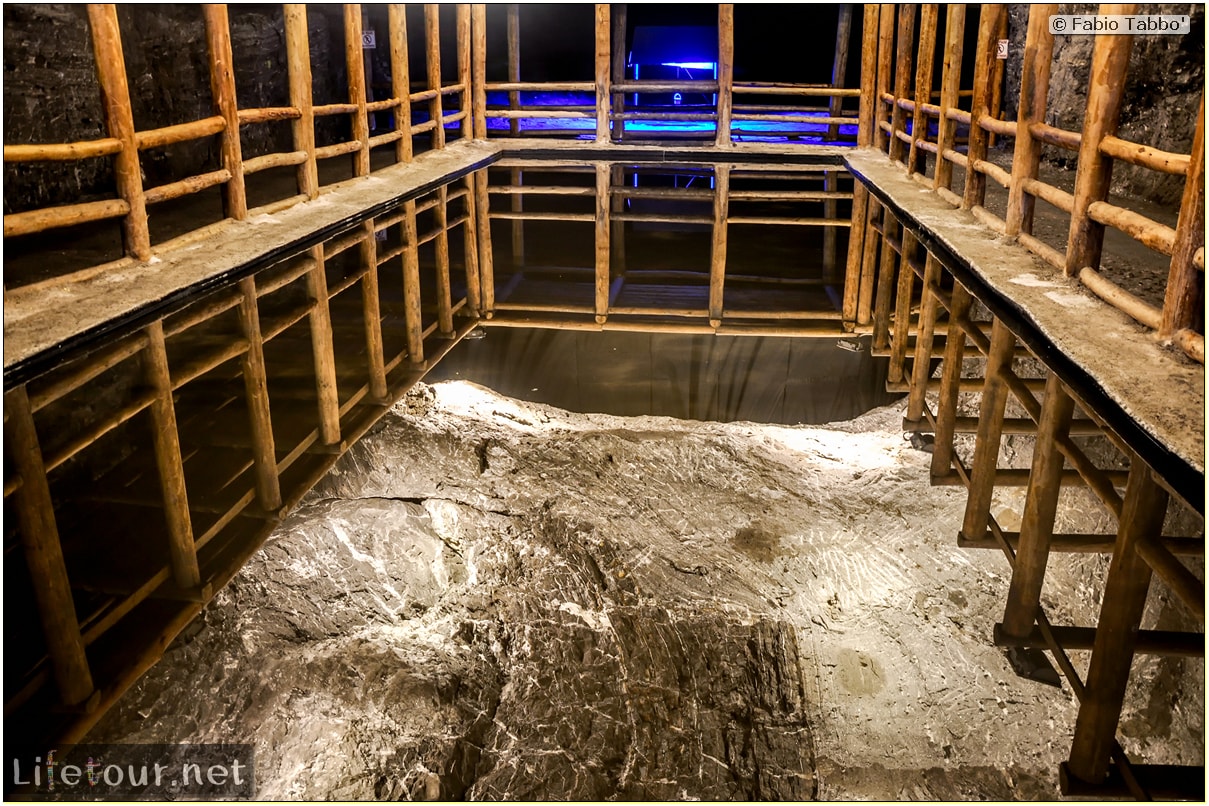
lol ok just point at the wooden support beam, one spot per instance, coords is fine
(486, 257)
(1148, 642)
(1120, 614)
(432, 41)
(400, 80)
(885, 287)
(990, 17)
(950, 85)
(514, 65)
(986, 447)
(323, 352)
(726, 74)
(864, 310)
(603, 60)
(1182, 306)
(372, 312)
(902, 307)
(478, 25)
(717, 258)
(517, 178)
(602, 241)
(354, 62)
(256, 390)
(856, 244)
(1109, 63)
(619, 59)
(462, 22)
(921, 368)
(868, 101)
(182, 551)
(119, 119)
(470, 250)
(222, 88)
(411, 286)
(444, 294)
(1040, 507)
(928, 14)
(44, 554)
(298, 60)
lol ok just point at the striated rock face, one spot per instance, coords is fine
(495, 600)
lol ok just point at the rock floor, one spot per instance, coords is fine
(495, 600)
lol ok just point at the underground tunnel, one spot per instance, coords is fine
(596, 402)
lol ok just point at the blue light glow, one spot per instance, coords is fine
(692, 65)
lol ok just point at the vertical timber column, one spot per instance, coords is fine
(478, 27)
(950, 382)
(864, 309)
(603, 86)
(323, 351)
(181, 548)
(412, 315)
(856, 240)
(514, 65)
(44, 554)
(432, 40)
(256, 389)
(717, 255)
(354, 62)
(902, 76)
(1034, 87)
(885, 69)
(222, 87)
(464, 97)
(1040, 507)
(902, 307)
(482, 213)
(868, 99)
(726, 73)
(831, 178)
(603, 174)
(989, 17)
(619, 51)
(470, 250)
(444, 295)
(119, 118)
(885, 282)
(1181, 306)
(858, 233)
(950, 85)
(921, 367)
(1116, 632)
(990, 431)
(400, 81)
(928, 14)
(371, 306)
(298, 56)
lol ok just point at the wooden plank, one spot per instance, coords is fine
(726, 73)
(222, 88)
(400, 79)
(181, 549)
(602, 241)
(298, 63)
(44, 554)
(119, 118)
(1120, 614)
(323, 351)
(603, 59)
(1181, 305)
(354, 62)
(372, 311)
(717, 259)
(432, 41)
(264, 456)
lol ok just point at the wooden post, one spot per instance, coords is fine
(619, 54)
(444, 295)
(990, 428)
(603, 86)
(255, 380)
(602, 235)
(222, 87)
(372, 307)
(298, 55)
(885, 283)
(864, 309)
(119, 118)
(411, 286)
(865, 133)
(921, 367)
(44, 554)
(181, 549)
(514, 65)
(902, 76)
(400, 81)
(856, 240)
(928, 14)
(323, 351)
(486, 256)
(517, 201)
(1034, 87)
(1109, 63)
(354, 62)
(1040, 507)
(470, 250)
(478, 26)
(463, 27)
(1182, 306)
(902, 307)
(885, 68)
(717, 260)
(950, 382)
(1116, 633)
(432, 41)
(617, 204)
(950, 85)
(726, 73)
(831, 178)
(989, 17)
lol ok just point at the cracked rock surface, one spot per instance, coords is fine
(494, 600)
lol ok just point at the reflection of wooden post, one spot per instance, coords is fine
(298, 56)
(323, 351)
(1040, 507)
(463, 27)
(1034, 87)
(181, 549)
(514, 65)
(256, 391)
(617, 233)
(400, 80)
(619, 53)
(44, 554)
(990, 430)
(412, 316)
(222, 88)
(444, 295)
(865, 132)
(354, 60)
(984, 70)
(603, 86)
(432, 36)
(717, 261)
(486, 258)
(115, 93)
(602, 239)
(478, 25)
(1181, 306)
(726, 72)
(1116, 632)
(950, 84)
(923, 86)
(902, 76)
(372, 308)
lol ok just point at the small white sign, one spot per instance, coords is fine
(1002, 51)
(369, 40)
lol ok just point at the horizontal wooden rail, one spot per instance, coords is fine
(66, 216)
(62, 152)
(1056, 137)
(1145, 156)
(184, 187)
(170, 135)
(1120, 299)
(1137, 226)
(268, 114)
